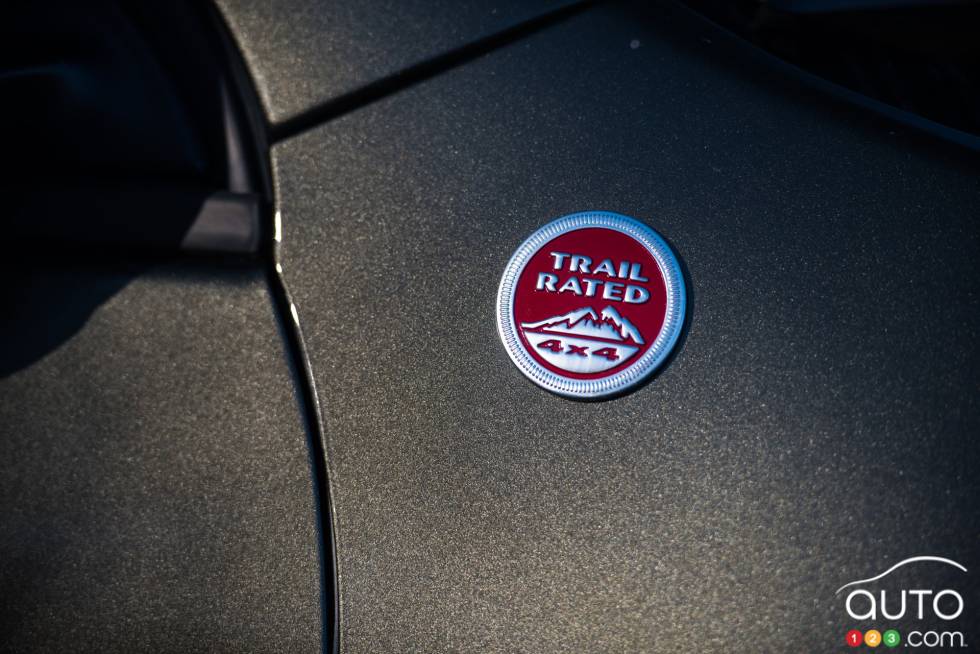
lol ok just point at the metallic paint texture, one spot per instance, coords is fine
(819, 420)
(155, 486)
(306, 52)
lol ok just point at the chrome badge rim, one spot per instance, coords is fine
(650, 360)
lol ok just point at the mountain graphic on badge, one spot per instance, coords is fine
(583, 341)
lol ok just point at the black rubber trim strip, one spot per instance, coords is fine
(258, 130)
(326, 515)
(385, 86)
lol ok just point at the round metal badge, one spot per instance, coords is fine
(591, 304)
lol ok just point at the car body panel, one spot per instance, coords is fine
(302, 53)
(157, 491)
(814, 412)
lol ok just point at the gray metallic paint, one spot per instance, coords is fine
(305, 52)
(154, 470)
(816, 424)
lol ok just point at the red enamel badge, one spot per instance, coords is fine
(591, 304)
